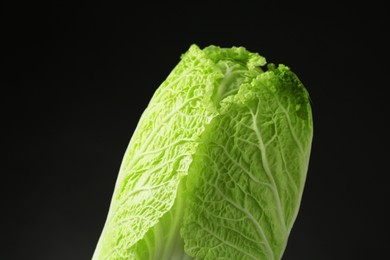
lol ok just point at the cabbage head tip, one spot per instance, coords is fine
(217, 164)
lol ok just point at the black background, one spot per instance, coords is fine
(77, 78)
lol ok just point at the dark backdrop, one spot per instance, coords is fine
(77, 78)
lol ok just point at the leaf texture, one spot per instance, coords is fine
(249, 172)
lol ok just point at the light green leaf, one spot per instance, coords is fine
(246, 180)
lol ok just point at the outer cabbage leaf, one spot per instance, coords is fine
(246, 181)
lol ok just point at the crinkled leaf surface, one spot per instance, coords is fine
(217, 164)
(246, 181)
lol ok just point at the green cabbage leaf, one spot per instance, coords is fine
(217, 164)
